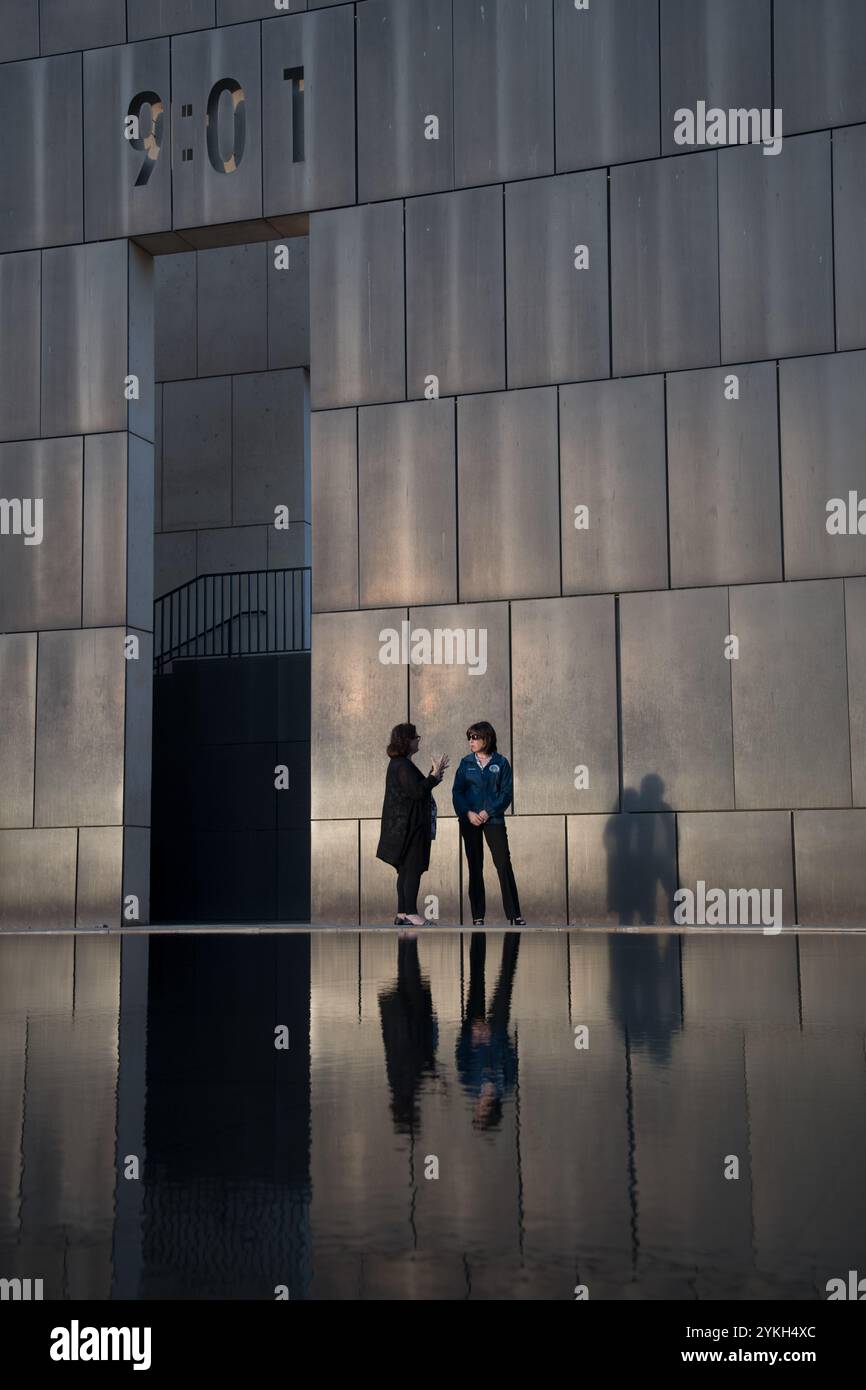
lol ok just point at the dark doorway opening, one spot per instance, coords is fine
(230, 815)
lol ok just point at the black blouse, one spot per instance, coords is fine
(406, 810)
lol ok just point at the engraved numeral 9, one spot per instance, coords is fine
(151, 143)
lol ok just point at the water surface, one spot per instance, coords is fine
(313, 1166)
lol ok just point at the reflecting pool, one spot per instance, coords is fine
(364, 1115)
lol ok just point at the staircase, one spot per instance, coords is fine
(244, 613)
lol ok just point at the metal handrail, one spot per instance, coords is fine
(236, 613)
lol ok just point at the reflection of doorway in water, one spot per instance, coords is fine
(228, 1126)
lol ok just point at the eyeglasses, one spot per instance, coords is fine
(475, 738)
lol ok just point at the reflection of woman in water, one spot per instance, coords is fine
(486, 1056)
(410, 1033)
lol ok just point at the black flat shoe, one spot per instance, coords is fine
(478, 921)
(518, 921)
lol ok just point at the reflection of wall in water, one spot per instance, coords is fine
(608, 1164)
(59, 1009)
(307, 1167)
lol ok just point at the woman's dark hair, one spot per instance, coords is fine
(485, 731)
(401, 736)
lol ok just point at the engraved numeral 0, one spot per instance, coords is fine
(230, 164)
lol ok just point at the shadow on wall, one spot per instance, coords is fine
(641, 855)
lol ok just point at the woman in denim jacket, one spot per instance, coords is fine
(483, 790)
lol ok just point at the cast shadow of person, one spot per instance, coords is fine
(645, 986)
(410, 1033)
(486, 1053)
(641, 856)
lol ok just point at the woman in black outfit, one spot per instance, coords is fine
(408, 812)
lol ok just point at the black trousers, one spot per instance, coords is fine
(497, 842)
(409, 872)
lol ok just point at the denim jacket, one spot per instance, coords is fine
(487, 789)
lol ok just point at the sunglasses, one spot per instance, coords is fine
(475, 738)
